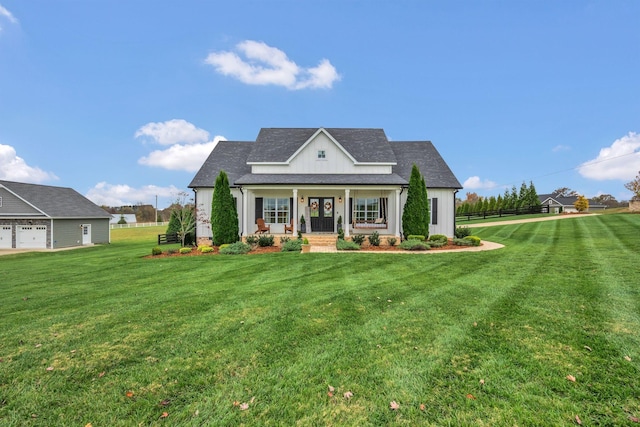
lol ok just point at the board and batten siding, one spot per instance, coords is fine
(445, 214)
(203, 199)
(335, 161)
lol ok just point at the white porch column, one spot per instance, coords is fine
(295, 212)
(345, 222)
(245, 216)
(398, 216)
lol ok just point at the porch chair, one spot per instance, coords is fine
(289, 227)
(262, 227)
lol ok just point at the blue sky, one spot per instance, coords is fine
(123, 100)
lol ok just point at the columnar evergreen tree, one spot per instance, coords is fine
(499, 202)
(426, 213)
(523, 196)
(414, 219)
(532, 194)
(224, 215)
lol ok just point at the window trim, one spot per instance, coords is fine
(280, 215)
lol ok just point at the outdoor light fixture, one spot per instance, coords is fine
(340, 199)
(301, 199)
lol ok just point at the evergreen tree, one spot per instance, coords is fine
(224, 215)
(499, 202)
(413, 216)
(523, 196)
(426, 213)
(534, 200)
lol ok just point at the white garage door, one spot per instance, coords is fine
(5, 237)
(32, 236)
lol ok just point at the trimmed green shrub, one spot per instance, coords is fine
(252, 240)
(224, 246)
(414, 245)
(347, 245)
(224, 215)
(374, 239)
(391, 241)
(340, 233)
(156, 251)
(305, 241)
(438, 240)
(467, 241)
(416, 237)
(172, 251)
(358, 239)
(291, 246)
(284, 239)
(205, 249)
(264, 241)
(185, 250)
(237, 248)
(462, 232)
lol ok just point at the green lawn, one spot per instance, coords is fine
(104, 336)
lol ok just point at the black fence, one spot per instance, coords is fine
(527, 210)
(165, 239)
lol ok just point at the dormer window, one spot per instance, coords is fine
(322, 154)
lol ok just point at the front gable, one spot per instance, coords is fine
(322, 153)
(13, 205)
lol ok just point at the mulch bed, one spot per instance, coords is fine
(271, 249)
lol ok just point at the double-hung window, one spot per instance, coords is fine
(366, 209)
(276, 210)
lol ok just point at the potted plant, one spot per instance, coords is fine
(306, 247)
(339, 223)
(303, 224)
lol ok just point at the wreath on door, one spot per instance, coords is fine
(327, 206)
(314, 205)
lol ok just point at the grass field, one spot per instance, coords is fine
(540, 332)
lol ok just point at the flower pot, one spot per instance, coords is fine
(306, 248)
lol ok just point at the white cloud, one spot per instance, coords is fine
(189, 146)
(266, 65)
(475, 183)
(619, 161)
(5, 13)
(14, 168)
(173, 132)
(123, 195)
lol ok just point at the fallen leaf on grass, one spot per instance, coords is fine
(627, 358)
(50, 368)
(422, 407)
(331, 389)
(471, 396)
(88, 425)
(348, 395)
(330, 393)
(481, 382)
(244, 406)
(587, 348)
(165, 402)
(129, 394)
(38, 345)
(101, 374)
(578, 420)
(571, 378)
(236, 403)
(394, 405)
(635, 419)
(164, 415)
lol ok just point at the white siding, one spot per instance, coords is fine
(335, 161)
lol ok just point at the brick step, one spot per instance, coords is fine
(321, 239)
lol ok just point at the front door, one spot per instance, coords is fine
(321, 213)
(86, 234)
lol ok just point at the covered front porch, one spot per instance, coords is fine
(355, 209)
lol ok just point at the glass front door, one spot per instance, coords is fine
(321, 213)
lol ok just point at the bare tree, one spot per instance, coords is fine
(634, 187)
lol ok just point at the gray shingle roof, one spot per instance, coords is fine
(230, 156)
(435, 170)
(279, 144)
(56, 202)
(326, 179)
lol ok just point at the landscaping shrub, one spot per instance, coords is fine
(347, 245)
(467, 241)
(374, 239)
(438, 240)
(156, 251)
(264, 241)
(172, 251)
(185, 250)
(391, 241)
(416, 237)
(205, 249)
(292, 246)
(224, 245)
(462, 232)
(414, 245)
(305, 241)
(358, 239)
(252, 240)
(284, 239)
(237, 248)
(340, 233)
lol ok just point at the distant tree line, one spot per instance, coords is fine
(511, 199)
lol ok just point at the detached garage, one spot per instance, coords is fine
(45, 217)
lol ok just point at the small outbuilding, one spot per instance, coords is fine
(36, 216)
